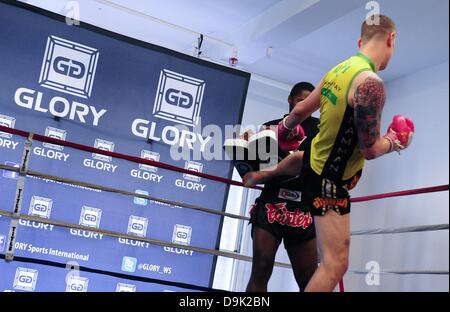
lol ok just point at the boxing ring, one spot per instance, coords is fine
(24, 171)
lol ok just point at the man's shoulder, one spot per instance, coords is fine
(365, 81)
(310, 121)
(368, 74)
(273, 122)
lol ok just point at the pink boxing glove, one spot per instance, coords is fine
(400, 133)
(289, 139)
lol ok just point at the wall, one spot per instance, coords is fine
(424, 97)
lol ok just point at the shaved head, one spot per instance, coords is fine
(377, 27)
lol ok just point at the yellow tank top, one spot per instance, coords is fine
(334, 151)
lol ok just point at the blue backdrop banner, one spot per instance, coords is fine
(93, 87)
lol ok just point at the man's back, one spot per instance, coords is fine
(334, 151)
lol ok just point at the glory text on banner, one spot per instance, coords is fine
(90, 86)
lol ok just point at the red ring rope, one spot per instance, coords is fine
(432, 189)
(341, 286)
(139, 160)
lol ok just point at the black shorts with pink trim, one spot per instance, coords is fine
(286, 220)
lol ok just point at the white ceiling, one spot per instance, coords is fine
(308, 36)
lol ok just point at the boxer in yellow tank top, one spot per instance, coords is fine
(334, 152)
(351, 98)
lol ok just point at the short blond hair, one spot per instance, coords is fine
(377, 26)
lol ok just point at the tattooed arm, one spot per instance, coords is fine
(367, 97)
